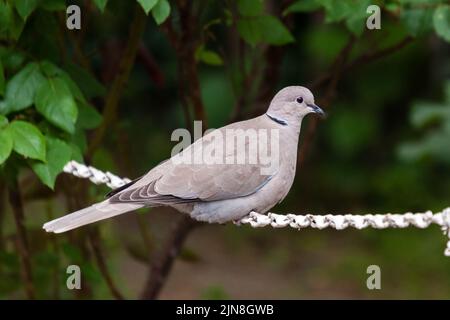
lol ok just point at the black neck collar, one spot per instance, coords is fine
(277, 120)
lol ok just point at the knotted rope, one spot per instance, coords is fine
(338, 222)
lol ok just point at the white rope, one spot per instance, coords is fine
(338, 222)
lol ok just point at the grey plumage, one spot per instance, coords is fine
(213, 192)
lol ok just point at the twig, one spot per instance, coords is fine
(21, 241)
(363, 59)
(112, 99)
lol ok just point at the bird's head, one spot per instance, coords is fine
(292, 103)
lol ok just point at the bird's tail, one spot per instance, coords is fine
(96, 212)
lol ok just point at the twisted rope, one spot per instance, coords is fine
(338, 222)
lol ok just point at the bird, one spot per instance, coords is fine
(214, 192)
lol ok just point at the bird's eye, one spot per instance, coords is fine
(300, 100)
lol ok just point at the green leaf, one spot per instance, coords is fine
(302, 6)
(25, 7)
(55, 102)
(11, 25)
(353, 12)
(6, 144)
(88, 117)
(77, 155)
(79, 139)
(356, 24)
(89, 85)
(2, 79)
(337, 10)
(441, 21)
(249, 30)
(276, 32)
(21, 89)
(16, 28)
(147, 5)
(264, 29)
(101, 4)
(161, 11)
(58, 154)
(6, 17)
(425, 113)
(52, 70)
(417, 20)
(250, 8)
(49, 69)
(208, 56)
(27, 140)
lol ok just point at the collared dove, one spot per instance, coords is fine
(213, 192)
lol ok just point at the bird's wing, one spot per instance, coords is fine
(174, 182)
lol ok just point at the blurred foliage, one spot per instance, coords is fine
(435, 119)
(367, 156)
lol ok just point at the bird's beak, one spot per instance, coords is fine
(318, 110)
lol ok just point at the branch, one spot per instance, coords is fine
(184, 44)
(163, 262)
(15, 200)
(363, 59)
(95, 244)
(112, 99)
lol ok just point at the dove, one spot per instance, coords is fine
(215, 192)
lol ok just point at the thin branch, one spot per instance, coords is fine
(363, 59)
(115, 92)
(15, 200)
